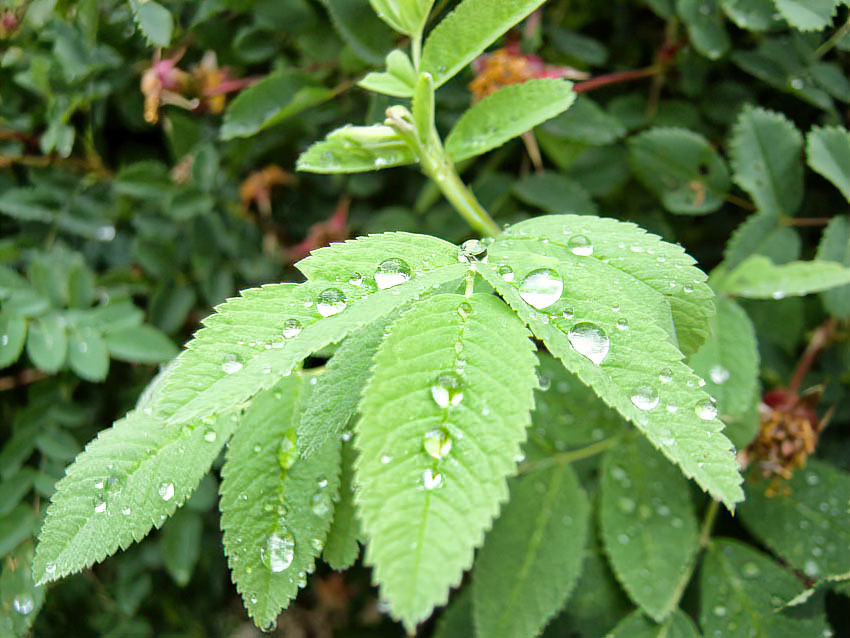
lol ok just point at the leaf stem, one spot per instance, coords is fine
(615, 78)
(570, 456)
(708, 523)
(827, 46)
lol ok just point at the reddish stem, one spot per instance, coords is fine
(816, 344)
(614, 78)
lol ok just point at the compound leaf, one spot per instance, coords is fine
(828, 152)
(648, 525)
(276, 508)
(532, 557)
(442, 420)
(765, 152)
(759, 278)
(506, 114)
(463, 34)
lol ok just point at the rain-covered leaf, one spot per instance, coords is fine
(342, 546)
(47, 342)
(20, 598)
(807, 15)
(88, 355)
(828, 152)
(13, 333)
(753, 15)
(356, 149)
(835, 246)
(554, 193)
(706, 28)
(637, 625)
(759, 278)
(507, 113)
(682, 168)
(648, 525)
(442, 420)
(532, 557)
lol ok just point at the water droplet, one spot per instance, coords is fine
(541, 288)
(356, 279)
(448, 390)
(392, 272)
(623, 539)
(99, 502)
(627, 505)
(50, 571)
(568, 313)
(589, 340)
(23, 604)
(666, 375)
(317, 544)
(706, 409)
(166, 491)
(210, 436)
(322, 483)
(778, 294)
(231, 365)
(99, 484)
(750, 570)
(320, 503)
(645, 397)
(279, 550)
(126, 511)
(798, 84)
(291, 328)
(622, 324)
(687, 289)
(386, 459)
(431, 479)
(105, 233)
(330, 301)
(719, 374)
(287, 452)
(438, 444)
(812, 478)
(720, 610)
(472, 250)
(580, 245)
(506, 273)
(544, 383)
(271, 625)
(464, 310)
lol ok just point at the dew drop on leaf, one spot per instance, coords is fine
(666, 375)
(99, 502)
(472, 250)
(431, 480)
(438, 444)
(719, 374)
(330, 301)
(210, 436)
(589, 340)
(230, 364)
(356, 279)
(320, 503)
(541, 288)
(386, 459)
(166, 491)
(706, 409)
(392, 272)
(580, 245)
(645, 397)
(464, 310)
(506, 273)
(291, 328)
(279, 550)
(287, 451)
(269, 627)
(447, 390)
(23, 604)
(622, 324)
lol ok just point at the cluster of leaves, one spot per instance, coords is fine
(426, 435)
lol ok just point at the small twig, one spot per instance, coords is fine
(533, 150)
(24, 377)
(806, 221)
(615, 78)
(827, 46)
(708, 523)
(571, 456)
(817, 343)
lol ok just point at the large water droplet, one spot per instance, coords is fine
(645, 397)
(431, 480)
(706, 409)
(279, 551)
(448, 389)
(230, 364)
(287, 452)
(166, 491)
(330, 302)
(23, 604)
(580, 245)
(506, 273)
(392, 272)
(438, 443)
(541, 288)
(589, 340)
(719, 374)
(291, 328)
(472, 250)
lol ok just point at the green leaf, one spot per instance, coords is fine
(253, 340)
(154, 21)
(337, 391)
(605, 328)
(706, 28)
(648, 525)
(741, 590)
(88, 355)
(759, 278)
(181, 545)
(140, 344)
(456, 621)
(13, 333)
(356, 149)
(636, 625)
(14, 488)
(442, 419)
(342, 547)
(270, 101)
(682, 168)
(752, 15)
(532, 557)
(807, 15)
(828, 152)
(16, 526)
(729, 361)
(398, 80)
(762, 234)
(806, 522)
(464, 34)
(554, 193)
(20, 599)
(47, 343)
(360, 28)
(275, 508)
(835, 246)
(765, 152)
(129, 479)
(506, 114)
(405, 16)
(585, 122)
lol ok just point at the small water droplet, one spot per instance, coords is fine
(291, 328)
(464, 310)
(568, 313)
(431, 480)
(719, 374)
(589, 340)
(279, 550)
(23, 604)
(622, 324)
(627, 505)
(356, 279)
(330, 301)
(645, 397)
(392, 272)
(448, 390)
(437, 444)
(720, 610)
(750, 570)
(386, 459)
(210, 436)
(320, 503)
(472, 250)
(543, 383)
(99, 502)
(666, 375)
(623, 539)
(231, 365)
(580, 245)
(541, 288)
(317, 544)
(287, 452)
(166, 491)
(687, 289)
(99, 484)
(126, 511)
(778, 294)
(706, 409)
(812, 478)
(506, 273)
(797, 84)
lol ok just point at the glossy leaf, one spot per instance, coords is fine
(835, 246)
(759, 278)
(828, 152)
(356, 149)
(342, 546)
(155, 21)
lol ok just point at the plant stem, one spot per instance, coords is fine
(571, 456)
(708, 523)
(816, 344)
(827, 46)
(460, 197)
(615, 78)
